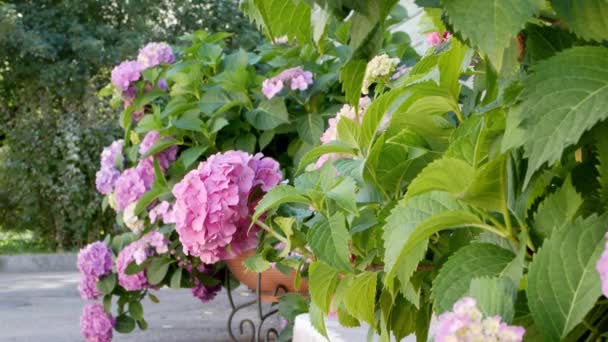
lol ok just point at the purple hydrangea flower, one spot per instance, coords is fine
(296, 78)
(148, 245)
(106, 177)
(133, 183)
(204, 292)
(125, 74)
(165, 157)
(95, 324)
(602, 268)
(131, 282)
(155, 54)
(94, 261)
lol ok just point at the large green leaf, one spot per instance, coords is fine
(400, 224)
(329, 241)
(269, 114)
(587, 18)
(310, 127)
(360, 297)
(602, 168)
(472, 261)
(331, 147)
(495, 296)
(285, 17)
(563, 284)
(565, 96)
(557, 209)
(481, 187)
(277, 196)
(490, 24)
(351, 76)
(323, 282)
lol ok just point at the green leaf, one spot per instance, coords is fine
(291, 305)
(310, 127)
(285, 17)
(351, 76)
(147, 198)
(189, 156)
(360, 297)
(265, 139)
(190, 121)
(451, 64)
(276, 196)
(349, 131)
(481, 187)
(602, 167)
(317, 319)
(563, 284)
(345, 319)
(557, 210)
(136, 310)
(544, 41)
(331, 147)
(565, 96)
(107, 284)
(344, 195)
(587, 18)
(472, 261)
(124, 324)
(322, 283)
(256, 263)
(246, 142)
(501, 21)
(160, 145)
(269, 114)
(157, 270)
(329, 241)
(401, 223)
(176, 279)
(495, 296)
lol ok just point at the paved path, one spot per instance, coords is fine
(46, 307)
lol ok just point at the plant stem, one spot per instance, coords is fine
(270, 230)
(505, 209)
(491, 229)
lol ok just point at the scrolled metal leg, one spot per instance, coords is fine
(257, 330)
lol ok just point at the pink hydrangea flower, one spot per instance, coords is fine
(133, 183)
(436, 38)
(155, 54)
(131, 282)
(602, 268)
(296, 78)
(165, 157)
(212, 209)
(125, 74)
(465, 323)
(95, 324)
(94, 261)
(106, 177)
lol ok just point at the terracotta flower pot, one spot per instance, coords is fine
(271, 279)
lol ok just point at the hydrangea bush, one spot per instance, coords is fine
(470, 190)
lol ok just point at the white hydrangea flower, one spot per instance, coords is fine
(379, 67)
(131, 220)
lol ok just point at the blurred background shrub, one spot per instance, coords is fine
(54, 56)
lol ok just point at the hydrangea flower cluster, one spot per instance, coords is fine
(155, 54)
(165, 157)
(331, 133)
(125, 74)
(295, 78)
(131, 282)
(94, 261)
(465, 323)
(106, 177)
(436, 38)
(95, 324)
(379, 67)
(162, 212)
(602, 268)
(148, 245)
(212, 206)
